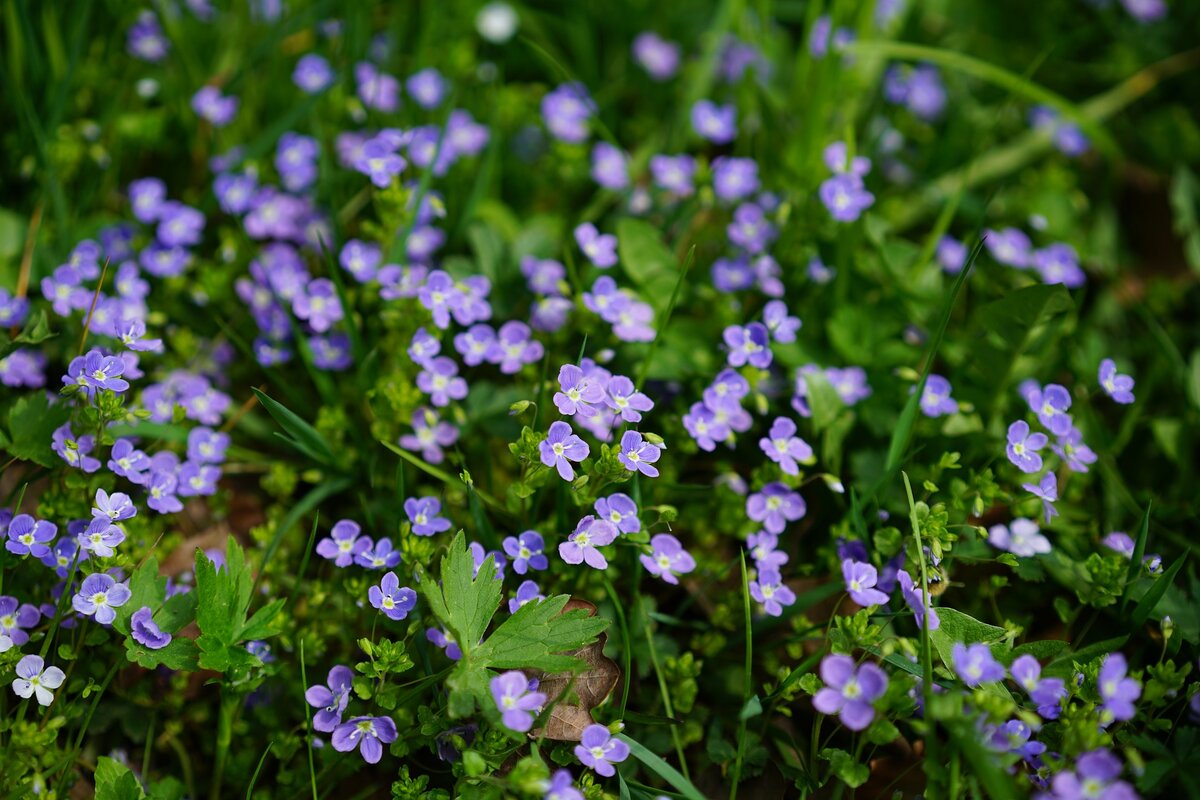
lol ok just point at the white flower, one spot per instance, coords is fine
(31, 679)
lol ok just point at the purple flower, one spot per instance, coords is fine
(626, 401)
(318, 304)
(1051, 404)
(580, 546)
(621, 511)
(439, 295)
(951, 254)
(860, 578)
(726, 391)
(633, 323)
(343, 543)
(579, 393)
(1117, 692)
(750, 230)
(360, 259)
(423, 513)
(673, 174)
(330, 700)
(379, 555)
(769, 590)
(445, 641)
(659, 57)
(73, 450)
(1023, 446)
(312, 74)
(1010, 247)
(974, 664)
(377, 90)
(566, 111)
(439, 379)
(1096, 775)
(561, 787)
(162, 493)
(668, 558)
(369, 734)
(599, 750)
(717, 124)
(114, 507)
(600, 248)
(1021, 538)
(516, 700)
(845, 196)
(213, 106)
(15, 616)
(1146, 10)
(779, 322)
(207, 446)
(750, 344)
(379, 161)
(1118, 387)
(784, 447)
(703, 426)
(1059, 263)
(638, 455)
(914, 597)
(429, 435)
(734, 178)
(527, 592)
(99, 595)
(394, 600)
(526, 552)
(762, 547)
(1047, 490)
(850, 693)
(145, 39)
(1048, 693)
(606, 299)
(27, 536)
(146, 632)
(1071, 449)
(473, 345)
(560, 447)
(425, 346)
(1119, 542)
(610, 167)
(427, 87)
(64, 554)
(514, 347)
(96, 371)
(775, 506)
(935, 398)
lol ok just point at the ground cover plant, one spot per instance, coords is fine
(757, 398)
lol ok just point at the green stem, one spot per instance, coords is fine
(747, 683)
(224, 740)
(662, 687)
(931, 743)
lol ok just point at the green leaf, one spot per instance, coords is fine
(1150, 600)
(536, 635)
(222, 601)
(1041, 650)
(959, 627)
(965, 737)
(264, 623)
(36, 331)
(1012, 318)
(300, 434)
(146, 589)
(180, 654)
(843, 765)
(463, 601)
(115, 781)
(647, 261)
(1064, 665)
(31, 424)
(1135, 563)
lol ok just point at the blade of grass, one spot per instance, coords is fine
(931, 743)
(443, 476)
(1150, 600)
(662, 329)
(1135, 563)
(312, 767)
(747, 682)
(300, 434)
(257, 770)
(661, 768)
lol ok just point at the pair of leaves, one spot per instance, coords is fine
(538, 636)
(148, 589)
(223, 601)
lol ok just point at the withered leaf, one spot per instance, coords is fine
(572, 696)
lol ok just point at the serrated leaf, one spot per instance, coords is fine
(464, 602)
(146, 588)
(536, 635)
(115, 781)
(263, 623)
(31, 424)
(179, 654)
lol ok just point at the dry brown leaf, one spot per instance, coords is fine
(590, 688)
